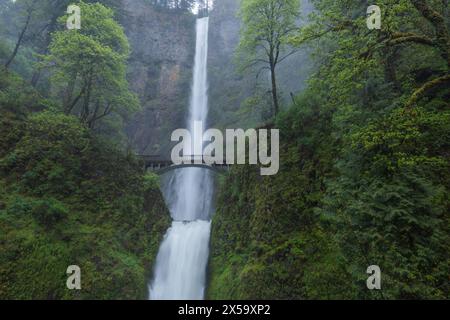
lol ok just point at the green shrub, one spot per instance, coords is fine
(49, 212)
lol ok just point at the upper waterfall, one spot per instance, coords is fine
(199, 97)
(189, 192)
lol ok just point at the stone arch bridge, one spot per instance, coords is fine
(161, 165)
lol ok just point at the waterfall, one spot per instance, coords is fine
(180, 270)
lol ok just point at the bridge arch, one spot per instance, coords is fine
(161, 166)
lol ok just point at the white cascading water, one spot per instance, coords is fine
(180, 270)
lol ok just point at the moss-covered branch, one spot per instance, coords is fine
(427, 87)
(438, 21)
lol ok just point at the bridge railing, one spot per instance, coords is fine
(192, 159)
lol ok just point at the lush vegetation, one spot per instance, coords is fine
(364, 176)
(69, 192)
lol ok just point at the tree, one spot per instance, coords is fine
(385, 200)
(267, 26)
(182, 5)
(89, 67)
(425, 26)
(29, 8)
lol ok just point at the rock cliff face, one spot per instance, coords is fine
(160, 71)
(224, 30)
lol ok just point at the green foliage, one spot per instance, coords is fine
(68, 195)
(68, 198)
(267, 23)
(16, 96)
(48, 212)
(266, 230)
(151, 181)
(89, 67)
(364, 177)
(46, 155)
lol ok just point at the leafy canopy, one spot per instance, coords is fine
(89, 66)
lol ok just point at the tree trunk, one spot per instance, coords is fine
(390, 73)
(50, 29)
(35, 78)
(19, 41)
(274, 90)
(87, 100)
(69, 93)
